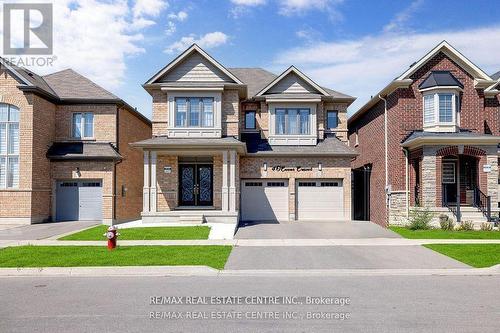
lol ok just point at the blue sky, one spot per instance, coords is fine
(352, 46)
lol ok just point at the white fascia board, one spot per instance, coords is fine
(442, 88)
(13, 71)
(299, 74)
(192, 88)
(453, 53)
(291, 100)
(436, 140)
(187, 53)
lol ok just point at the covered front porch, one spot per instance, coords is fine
(191, 181)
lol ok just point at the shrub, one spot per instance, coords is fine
(446, 223)
(466, 226)
(420, 219)
(486, 226)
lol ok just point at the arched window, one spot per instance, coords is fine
(9, 146)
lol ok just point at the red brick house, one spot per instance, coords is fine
(64, 149)
(430, 139)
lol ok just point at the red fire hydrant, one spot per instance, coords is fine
(112, 235)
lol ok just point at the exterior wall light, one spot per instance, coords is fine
(320, 166)
(265, 166)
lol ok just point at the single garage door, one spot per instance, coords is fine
(320, 199)
(79, 200)
(264, 200)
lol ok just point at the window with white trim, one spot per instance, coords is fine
(9, 146)
(293, 121)
(83, 125)
(440, 108)
(194, 112)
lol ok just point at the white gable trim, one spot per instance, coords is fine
(15, 73)
(299, 74)
(187, 53)
(454, 54)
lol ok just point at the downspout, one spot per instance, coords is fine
(385, 153)
(407, 182)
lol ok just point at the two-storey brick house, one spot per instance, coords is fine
(428, 139)
(235, 144)
(64, 149)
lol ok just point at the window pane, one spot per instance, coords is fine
(428, 109)
(14, 138)
(180, 112)
(4, 112)
(293, 124)
(445, 108)
(13, 113)
(332, 119)
(3, 138)
(3, 170)
(194, 112)
(77, 125)
(280, 121)
(13, 172)
(208, 112)
(89, 125)
(304, 121)
(250, 119)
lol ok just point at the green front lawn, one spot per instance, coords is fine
(445, 234)
(476, 255)
(151, 233)
(79, 256)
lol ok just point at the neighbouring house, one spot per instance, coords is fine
(235, 144)
(64, 149)
(429, 139)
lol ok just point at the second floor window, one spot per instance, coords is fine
(332, 119)
(194, 112)
(83, 125)
(250, 120)
(440, 108)
(293, 121)
(9, 146)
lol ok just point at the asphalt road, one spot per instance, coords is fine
(377, 304)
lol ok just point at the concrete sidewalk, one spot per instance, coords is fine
(258, 242)
(155, 271)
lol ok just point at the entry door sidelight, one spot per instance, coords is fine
(195, 185)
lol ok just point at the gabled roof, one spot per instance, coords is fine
(184, 55)
(496, 76)
(440, 79)
(255, 78)
(481, 79)
(293, 69)
(69, 84)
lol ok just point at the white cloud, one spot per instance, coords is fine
(180, 16)
(149, 7)
(207, 41)
(250, 3)
(362, 67)
(399, 21)
(299, 7)
(173, 19)
(95, 37)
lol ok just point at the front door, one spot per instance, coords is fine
(195, 185)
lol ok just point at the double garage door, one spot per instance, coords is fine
(79, 200)
(267, 200)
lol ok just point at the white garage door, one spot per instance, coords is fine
(264, 200)
(79, 200)
(320, 199)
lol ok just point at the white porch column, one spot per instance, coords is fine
(145, 189)
(152, 192)
(232, 180)
(225, 192)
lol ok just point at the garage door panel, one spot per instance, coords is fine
(264, 200)
(79, 200)
(320, 200)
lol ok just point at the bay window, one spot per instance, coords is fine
(293, 121)
(194, 112)
(440, 108)
(83, 125)
(9, 146)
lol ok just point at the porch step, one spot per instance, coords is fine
(191, 218)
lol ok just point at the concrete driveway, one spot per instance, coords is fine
(338, 257)
(313, 230)
(42, 230)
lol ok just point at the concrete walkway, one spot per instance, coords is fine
(155, 271)
(259, 242)
(42, 230)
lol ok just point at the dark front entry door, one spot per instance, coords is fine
(195, 185)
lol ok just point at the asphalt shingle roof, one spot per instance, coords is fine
(82, 151)
(496, 76)
(422, 134)
(440, 79)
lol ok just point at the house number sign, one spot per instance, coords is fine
(282, 168)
